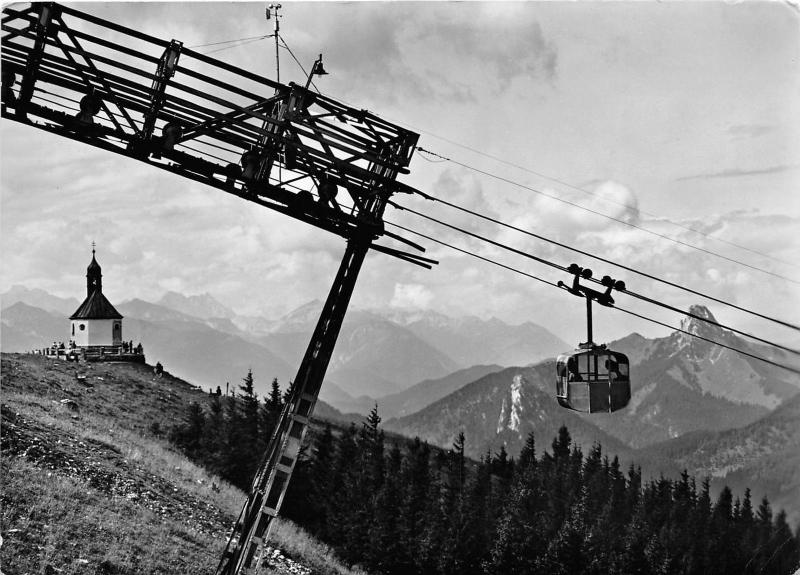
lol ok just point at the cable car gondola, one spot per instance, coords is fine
(592, 378)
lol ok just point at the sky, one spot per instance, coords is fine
(664, 116)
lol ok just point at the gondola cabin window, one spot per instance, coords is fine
(593, 380)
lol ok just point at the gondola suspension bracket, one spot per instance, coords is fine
(604, 298)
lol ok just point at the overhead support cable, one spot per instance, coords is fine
(302, 68)
(240, 44)
(595, 194)
(229, 41)
(537, 278)
(473, 254)
(598, 258)
(556, 180)
(601, 214)
(565, 269)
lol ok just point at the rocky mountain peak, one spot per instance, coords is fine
(694, 324)
(690, 323)
(37, 297)
(202, 305)
(299, 319)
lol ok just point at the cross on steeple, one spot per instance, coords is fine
(93, 247)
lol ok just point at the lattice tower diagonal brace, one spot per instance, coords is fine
(243, 555)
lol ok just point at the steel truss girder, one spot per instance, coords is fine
(60, 54)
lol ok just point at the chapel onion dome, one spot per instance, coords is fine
(94, 277)
(93, 265)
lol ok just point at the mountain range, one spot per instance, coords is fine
(202, 306)
(501, 408)
(198, 338)
(372, 354)
(472, 341)
(682, 384)
(39, 298)
(694, 405)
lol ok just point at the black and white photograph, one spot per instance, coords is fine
(400, 288)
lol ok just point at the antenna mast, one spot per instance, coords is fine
(272, 11)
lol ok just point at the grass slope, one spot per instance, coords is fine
(90, 484)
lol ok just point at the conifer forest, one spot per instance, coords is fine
(399, 506)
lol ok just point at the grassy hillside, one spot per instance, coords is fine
(91, 485)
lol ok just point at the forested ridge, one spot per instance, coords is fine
(399, 506)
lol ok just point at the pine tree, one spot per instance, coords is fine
(189, 436)
(416, 479)
(249, 405)
(565, 553)
(746, 514)
(562, 443)
(763, 527)
(527, 457)
(371, 444)
(501, 465)
(271, 411)
(634, 560)
(214, 436)
(253, 441)
(235, 453)
(784, 555)
(722, 539)
(595, 481)
(466, 545)
(764, 514)
(288, 393)
(344, 476)
(365, 481)
(321, 495)
(386, 554)
(459, 462)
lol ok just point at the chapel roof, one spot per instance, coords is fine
(96, 306)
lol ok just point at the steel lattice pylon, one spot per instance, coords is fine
(272, 479)
(173, 108)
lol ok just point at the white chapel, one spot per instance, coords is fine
(95, 323)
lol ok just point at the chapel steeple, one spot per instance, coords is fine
(94, 276)
(95, 306)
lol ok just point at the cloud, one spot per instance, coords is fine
(625, 201)
(462, 38)
(737, 173)
(549, 217)
(461, 188)
(414, 296)
(733, 277)
(750, 130)
(483, 74)
(442, 52)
